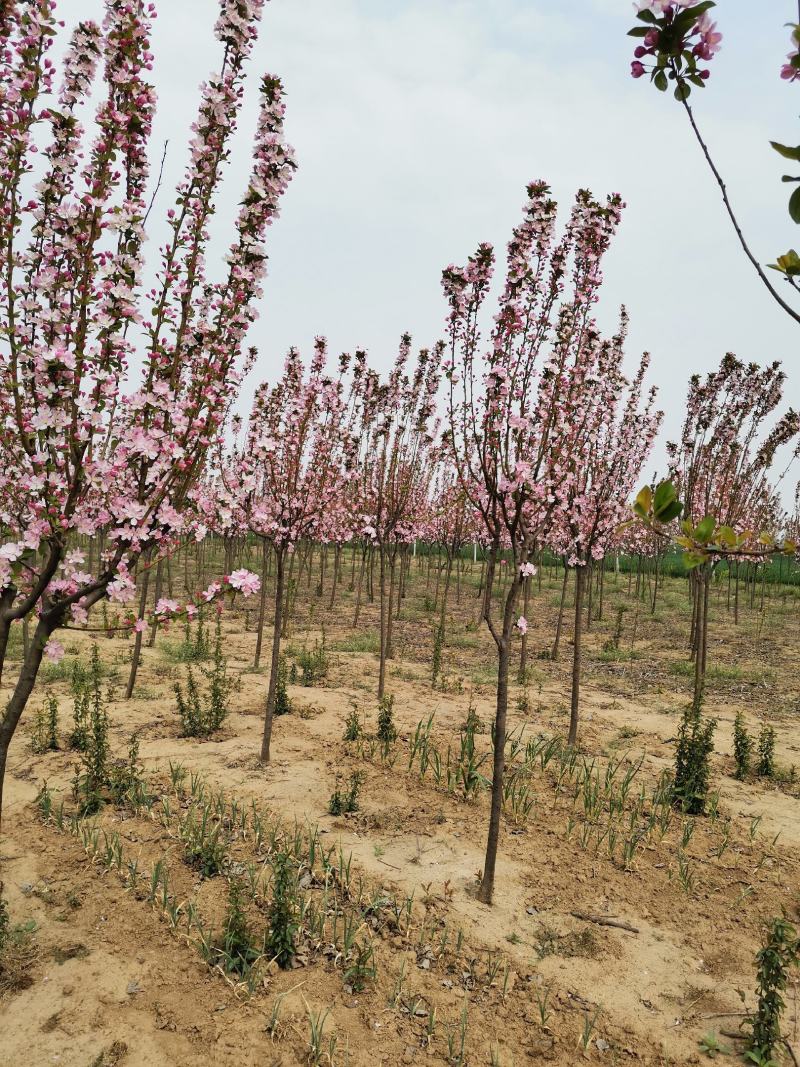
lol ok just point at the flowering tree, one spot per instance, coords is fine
(448, 525)
(296, 460)
(86, 447)
(603, 454)
(508, 407)
(677, 37)
(396, 464)
(721, 467)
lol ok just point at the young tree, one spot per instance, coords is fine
(507, 408)
(603, 451)
(721, 467)
(285, 483)
(396, 466)
(86, 447)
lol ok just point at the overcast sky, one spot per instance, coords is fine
(418, 123)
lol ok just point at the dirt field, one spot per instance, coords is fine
(109, 976)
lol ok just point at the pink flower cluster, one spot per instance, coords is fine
(675, 37)
(790, 71)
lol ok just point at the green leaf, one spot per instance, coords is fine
(682, 91)
(789, 178)
(794, 206)
(786, 151)
(705, 528)
(647, 16)
(669, 511)
(660, 81)
(726, 535)
(664, 494)
(638, 31)
(644, 500)
(693, 559)
(788, 264)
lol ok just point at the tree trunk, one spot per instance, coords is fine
(360, 586)
(137, 644)
(383, 641)
(156, 597)
(262, 604)
(580, 584)
(560, 623)
(701, 637)
(523, 652)
(21, 694)
(337, 564)
(269, 713)
(486, 891)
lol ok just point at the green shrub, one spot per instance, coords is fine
(692, 761)
(766, 753)
(282, 933)
(742, 747)
(283, 704)
(778, 952)
(352, 727)
(237, 953)
(126, 783)
(314, 663)
(195, 646)
(387, 732)
(44, 731)
(202, 715)
(343, 802)
(91, 726)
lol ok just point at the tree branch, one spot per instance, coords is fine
(759, 270)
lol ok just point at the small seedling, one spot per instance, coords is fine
(712, 1047)
(387, 732)
(352, 728)
(343, 802)
(766, 753)
(742, 747)
(282, 934)
(44, 732)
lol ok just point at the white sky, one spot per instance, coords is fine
(418, 123)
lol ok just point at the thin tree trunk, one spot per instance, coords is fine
(383, 641)
(137, 644)
(580, 582)
(262, 604)
(486, 891)
(560, 623)
(523, 652)
(276, 654)
(156, 597)
(360, 586)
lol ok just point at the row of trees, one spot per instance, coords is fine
(540, 441)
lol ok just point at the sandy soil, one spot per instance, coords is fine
(104, 979)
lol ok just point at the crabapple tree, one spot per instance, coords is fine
(111, 397)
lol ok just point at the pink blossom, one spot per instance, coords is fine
(522, 624)
(165, 606)
(54, 650)
(247, 582)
